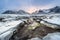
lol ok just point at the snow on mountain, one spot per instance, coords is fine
(9, 12)
(55, 9)
(22, 12)
(39, 12)
(15, 12)
(47, 11)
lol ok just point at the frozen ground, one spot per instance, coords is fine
(52, 36)
(54, 19)
(8, 26)
(11, 21)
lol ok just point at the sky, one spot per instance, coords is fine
(27, 5)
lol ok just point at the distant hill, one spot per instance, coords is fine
(22, 12)
(15, 12)
(9, 12)
(39, 12)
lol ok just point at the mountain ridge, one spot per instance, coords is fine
(55, 9)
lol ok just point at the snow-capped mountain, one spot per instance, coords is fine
(22, 12)
(46, 11)
(9, 12)
(39, 12)
(15, 12)
(55, 9)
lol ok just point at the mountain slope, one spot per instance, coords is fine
(55, 9)
(22, 12)
(39, 12)
(15, 12)
(9, 12)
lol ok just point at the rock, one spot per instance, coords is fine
(52, 36)
(1, 19)
(36, 38)
(33, 25)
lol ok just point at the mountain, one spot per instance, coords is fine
(55, 9)
(22, 12)
(39, 12)
(51, 10)
(9, 12)
(15, 12)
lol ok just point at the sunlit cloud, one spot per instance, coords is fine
(31, 9)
